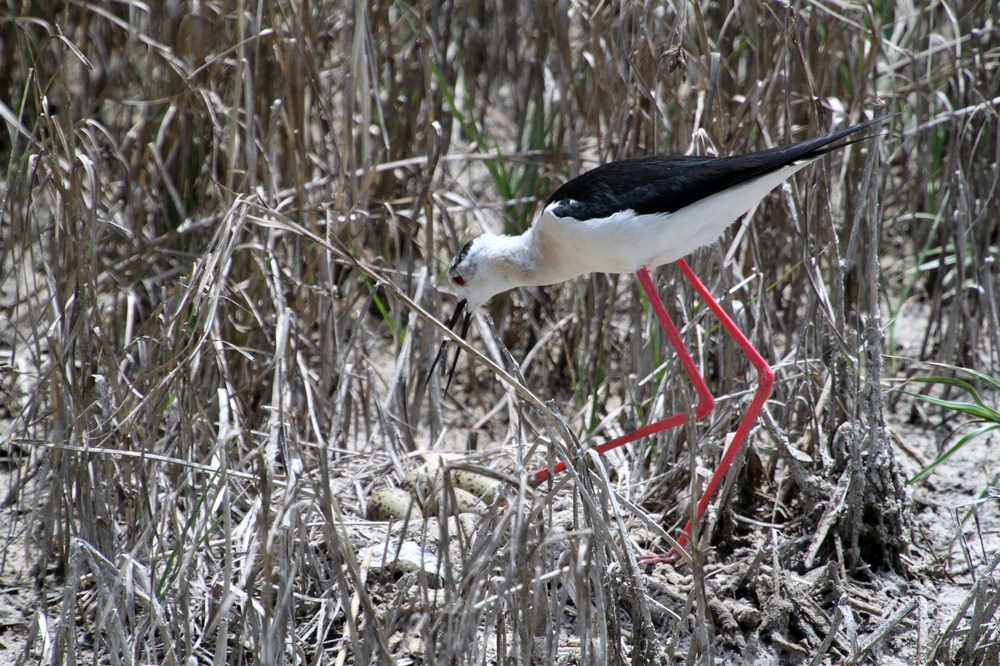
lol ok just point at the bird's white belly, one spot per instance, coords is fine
(625, 242)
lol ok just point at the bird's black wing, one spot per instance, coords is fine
(665, 184)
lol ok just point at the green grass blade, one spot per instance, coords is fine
(951, 451)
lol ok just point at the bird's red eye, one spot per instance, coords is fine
(459, 280)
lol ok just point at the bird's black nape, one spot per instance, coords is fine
(459, 309)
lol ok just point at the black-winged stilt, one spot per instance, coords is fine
(627, 217)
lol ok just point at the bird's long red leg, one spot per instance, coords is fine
(765, 381)
(705, 400)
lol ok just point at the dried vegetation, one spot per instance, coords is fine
(222, 223)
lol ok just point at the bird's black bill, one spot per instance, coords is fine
(458, 350)
(459, 309)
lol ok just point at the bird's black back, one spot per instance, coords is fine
(665, 184)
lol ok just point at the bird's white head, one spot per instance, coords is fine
(484, 267)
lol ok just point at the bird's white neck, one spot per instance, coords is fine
(527, 261)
